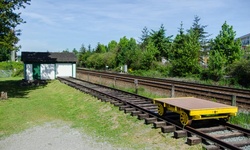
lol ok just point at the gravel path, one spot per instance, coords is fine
(52, 136)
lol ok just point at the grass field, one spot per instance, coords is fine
(34, 105)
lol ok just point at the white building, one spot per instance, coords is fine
(245, 40)
(46, 65)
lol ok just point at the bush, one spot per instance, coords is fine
(240, 71)
(15, 67)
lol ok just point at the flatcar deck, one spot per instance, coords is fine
(195, 108)
(191, 103)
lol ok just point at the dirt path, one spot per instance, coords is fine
(52, 136)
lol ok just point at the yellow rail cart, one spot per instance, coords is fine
(191, 108)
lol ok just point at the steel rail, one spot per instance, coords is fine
(95, 88)
(242, 100)
(171, 81)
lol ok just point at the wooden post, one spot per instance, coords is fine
(233, 100)
(100, 80)
(172, 91)
(4, 95)
(114, 82)
(136, 86)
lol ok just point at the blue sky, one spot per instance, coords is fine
(54, 25)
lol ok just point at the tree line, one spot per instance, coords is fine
(189, 53)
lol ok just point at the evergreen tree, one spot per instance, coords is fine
(144, 38)
(202, 35)
(161, 42)
(200, 31)
(184, 55)
(89, 48)
(149, 55)
(100, 48)
(226, 44)
(75, 52)
(216, 65)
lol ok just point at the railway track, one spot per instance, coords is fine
(227, 95)
(212, 134)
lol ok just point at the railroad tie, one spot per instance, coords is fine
(129, 110)
(135, 113)
(150, 120)
(159, 124)
(180, 134)
(193, 140)
(143, 116)
(168, 129)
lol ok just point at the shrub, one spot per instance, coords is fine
(15, 67)
(240, 71)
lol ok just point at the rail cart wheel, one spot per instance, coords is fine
(184, 118)
(161, 109)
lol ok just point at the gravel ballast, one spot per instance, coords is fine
(52, 136)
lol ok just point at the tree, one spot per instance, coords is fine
(184, 55)
(216, 65)
(126, 49)
(202, 35)
(161, 42)
(83, 55)
(247, 52)
(149, 55)
(100, 48)
(226, 44)
(9, 21)
(200, 31)
(144, 38)
(240, 71)
(66, 51)
(112, 46)
(75, 52)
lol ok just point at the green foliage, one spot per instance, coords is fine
(9, 21)
(199, 31)
(101, 60)
(242, 119)
(225, 51)
(226, 44)
(136, 60)
(4, 53)
(100, 48)
(240, 71)
(145, 37)
(184, 55)
(216, 65)
(247, 52)
(15, 67)
(149, 55)
(112, 46)
(126, 49)
(161, 42)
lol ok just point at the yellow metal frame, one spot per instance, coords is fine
(201, 114)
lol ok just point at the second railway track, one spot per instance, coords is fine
(227, 95)
(213, 134)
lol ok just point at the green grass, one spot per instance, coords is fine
(35, 105)
(242, 119)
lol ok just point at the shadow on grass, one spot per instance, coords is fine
(19, 88)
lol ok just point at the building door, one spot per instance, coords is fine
(36, 72)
